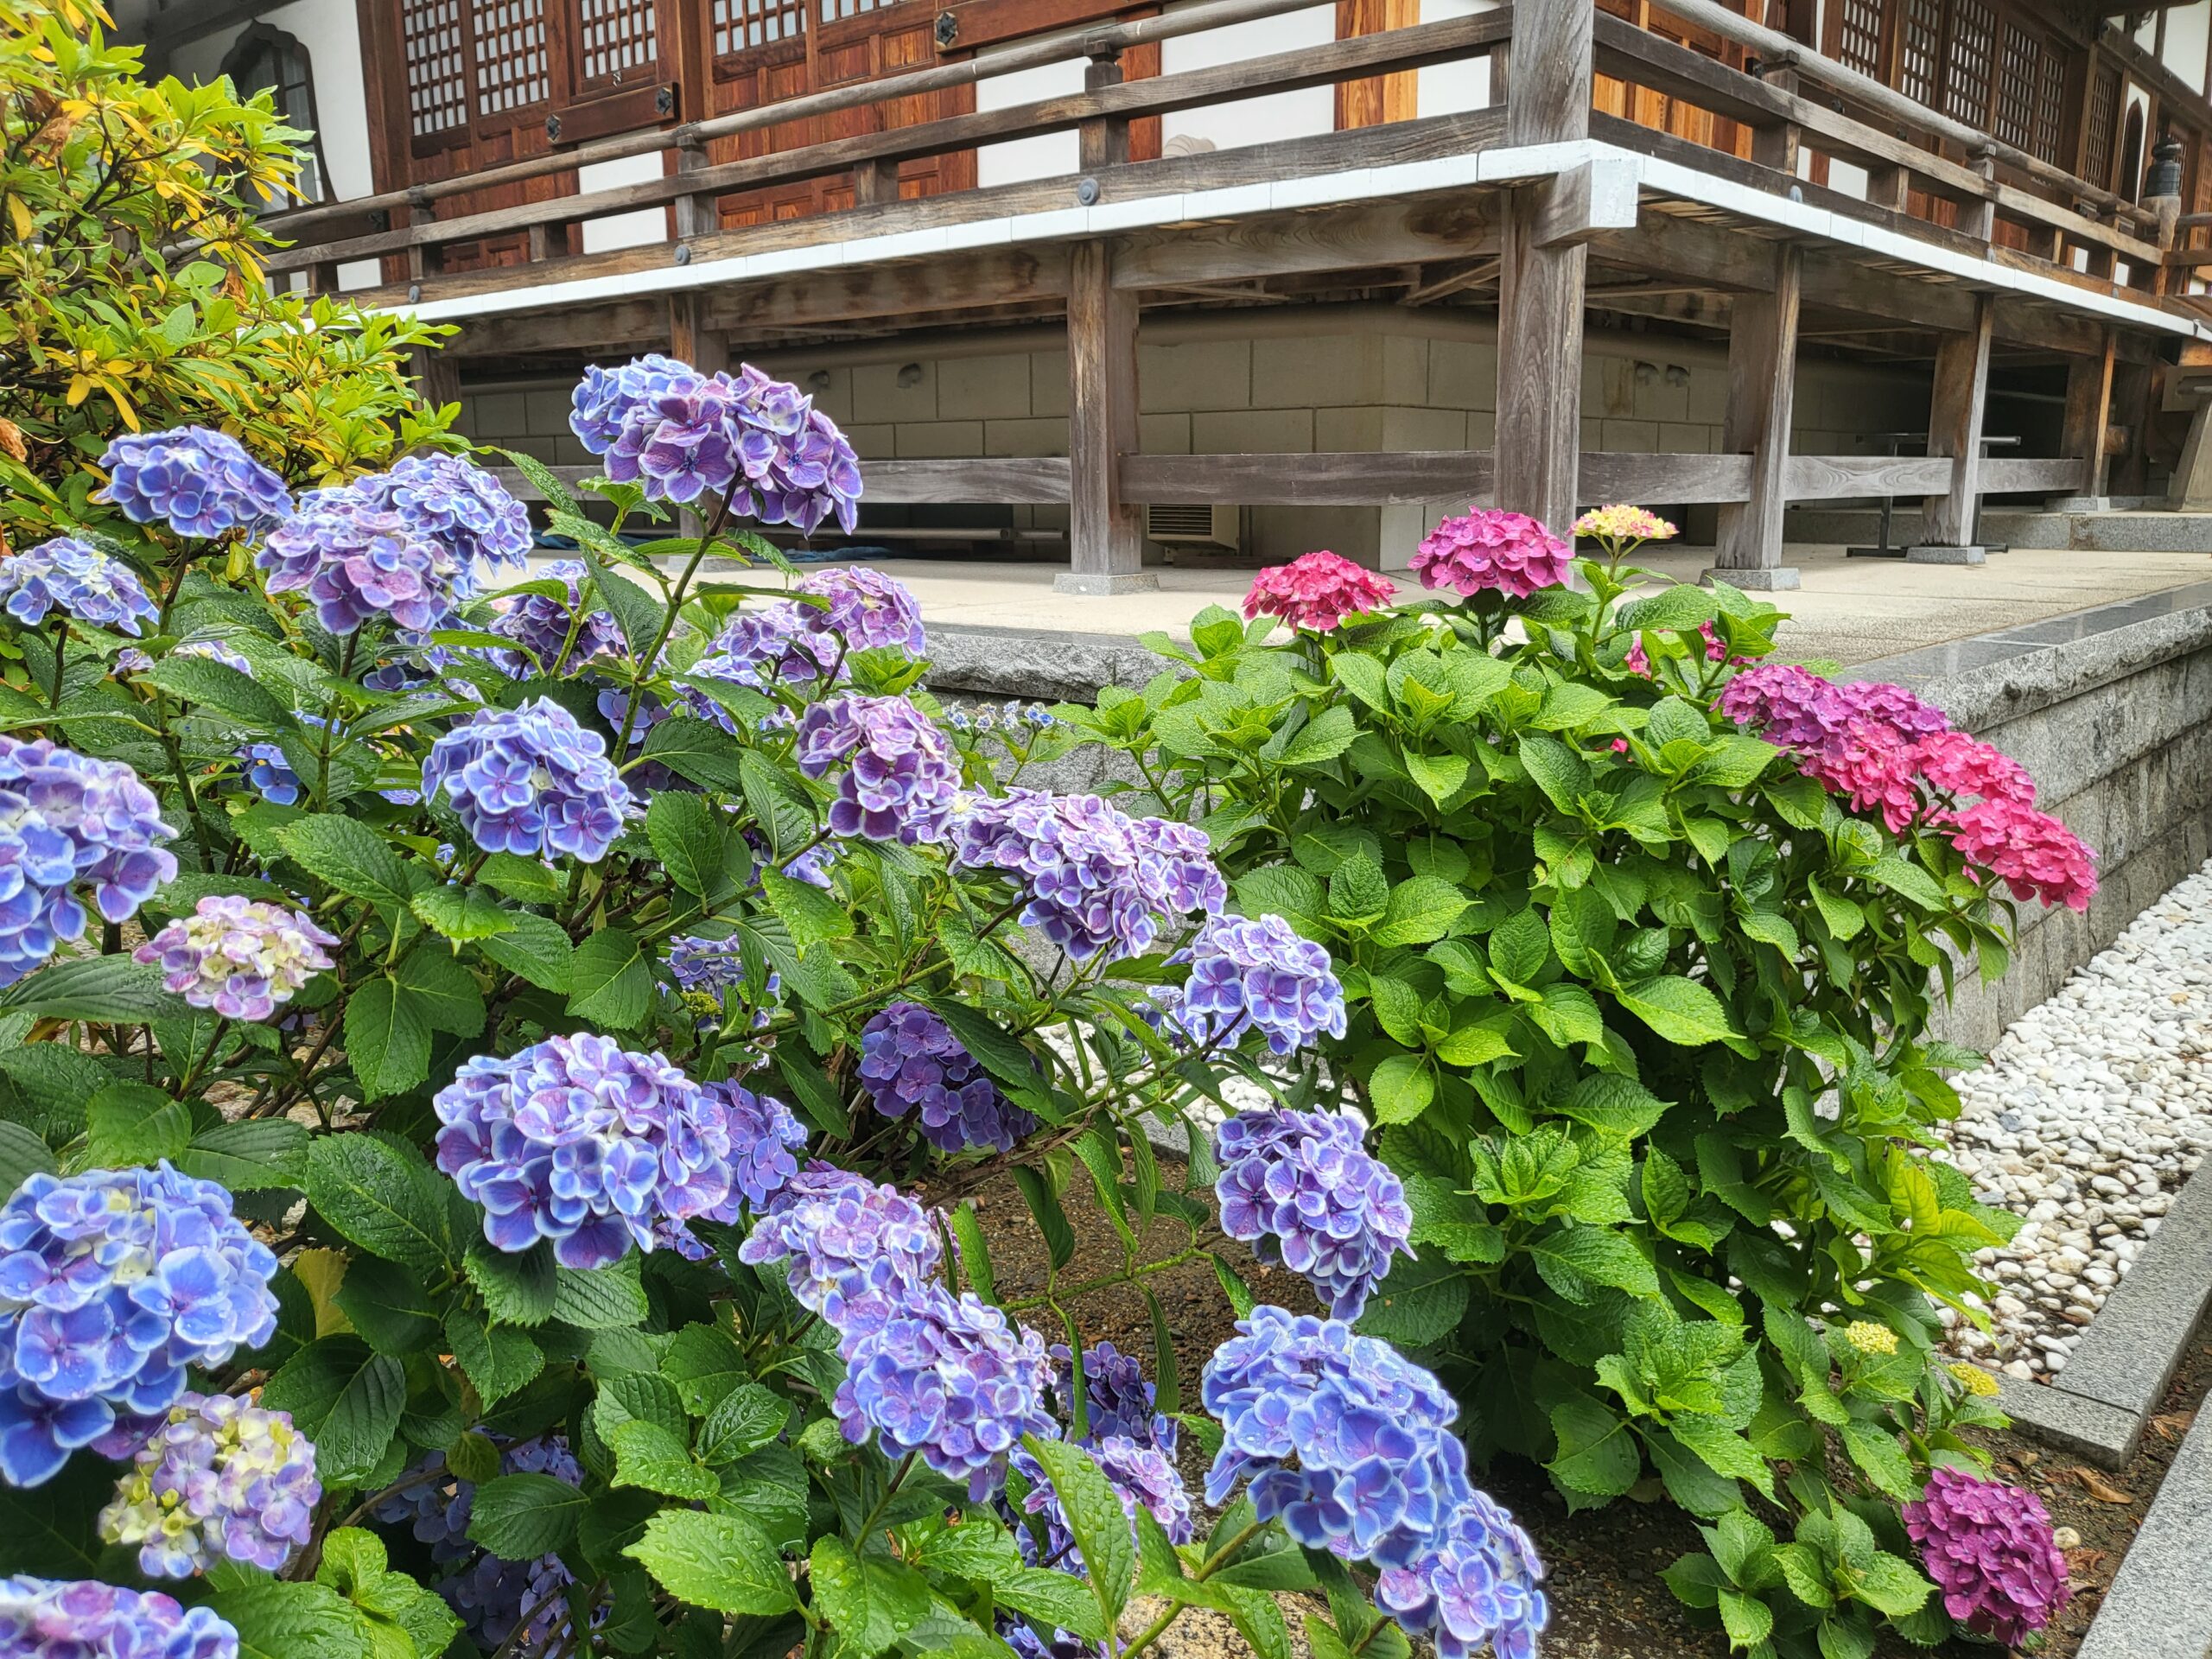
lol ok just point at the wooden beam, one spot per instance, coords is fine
(1008, 480)
(963, 282)
(1345, 478)
(1762, 390)
(1954, 425)
(2018, 475)
(692, 338)
(1105, 534)
(1599, 195)
(1475, 273)
(1834, 478)
(1325, 239)
(2088, 413)
(1677, 479)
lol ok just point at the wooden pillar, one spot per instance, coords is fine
(436, 376)
(2190, 490)
(1955, 417)
(1541, 284)
(2089, 417)
(1761, 397)
(1105, 536)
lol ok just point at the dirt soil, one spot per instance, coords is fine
(1608, 1600)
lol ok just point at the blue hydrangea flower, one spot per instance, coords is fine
(1119, 1396)
(357, 558)
(1254, 973)
(1141, 1474)
(1472, 1587)
(458, 504)
(222, 1480)
(80, 578)
(493, 1596)
(911, 1060)
(764, 1135)
(1095, 876)
(543, 626)
(949, 1379)
(530, 780)
(1303, 1190)
(200, 483)
(111, 1283)
(269, 774)
(68, 821)
(855, 1248)
(81, 1618)
(577, 1139)
(215, 650)
(897, 776)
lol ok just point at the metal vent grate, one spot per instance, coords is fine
(1179, 524)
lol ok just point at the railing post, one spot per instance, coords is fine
(1540, 288)
(1777, 146)
(1103, 141)
(1955, 418)
(1761, 397)
(2088, 418)
(1105, 535)
(696, 215)
(1978, 218)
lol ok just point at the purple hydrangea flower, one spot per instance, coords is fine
(80, 578)
(579, 1140)
(493, 1596)
(356, 557)
(1254, 973)
(200, 483)
(1141, 1474)
(1989, 1548)
(708, 970)
(241, 957)
(69, 821)
(1349, 1445)
(222, 1479)
(111, 1283)
(778, 644)
(897, 775)
(951, 1379)
(868, 610)
(764, 1135)
(855, 1248)
(457, 505)
(530, 780)
(1096, 876)
(559, 638)
(681, 433)
(1118, 1394)
(910, 1059)
(1303, 1190)
(51, 1618)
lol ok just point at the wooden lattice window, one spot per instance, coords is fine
(616, 39)
(743, 25)
(2017, 87)
(2051, 109)
(1920, 51)
(1859, 34)
(437, 65)
(512, 70)
(1971, 62)
(2104, 127)
(833, 10)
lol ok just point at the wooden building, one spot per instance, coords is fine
(1236, 277)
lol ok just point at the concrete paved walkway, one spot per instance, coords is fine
(1848, 611)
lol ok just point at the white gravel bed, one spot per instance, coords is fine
(2092, 1111)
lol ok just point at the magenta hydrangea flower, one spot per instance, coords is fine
(1094, 877)
(69, 823)
(1961, 768)
(1302, 1188)
(1490, 551)
(1255, 972)
(530, 780)
(897, 774)
(1318, 590)
(111, 1283)
(241, 957)
(910, 1062)
(2032, 853)
(1990, 1550)
(198, 482)
(857, 1249)
(84, 582)
(222, 1479)
(50, 1618)
(577, 1139)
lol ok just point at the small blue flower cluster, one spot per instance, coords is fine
(1350, 1444)
(853, 1246)
(457, 505)
(530, 780)
(67, 820)
(111, 1283)
(789, 643)
(82, 1619)
(1254, 973)
(76, 575)
(1011, 716)
(577, 1139)
(222, 1480)
(896, 774)
(543, 626)
(910, 1059)
(1302, 1188)
(1096, 876)
(492, 1595)
(708, 970)
(680, 434)
(200, 483)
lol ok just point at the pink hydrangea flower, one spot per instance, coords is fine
(1716, 650)
(1508, 552)
(1958, 765)
(2032, 853)
(1989, 1548)
(1876, 768)
(1317, 590)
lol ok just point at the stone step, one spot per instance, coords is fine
(2130, 532)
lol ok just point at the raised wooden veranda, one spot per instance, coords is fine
(1536, 204)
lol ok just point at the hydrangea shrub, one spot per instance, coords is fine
(1639, 935)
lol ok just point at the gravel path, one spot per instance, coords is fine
(2092, 1110)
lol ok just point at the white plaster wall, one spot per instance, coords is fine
(2189, 33)
(1051, 155)
(1449, 88)
(634, 230)
(1252, 120)
(333, 38)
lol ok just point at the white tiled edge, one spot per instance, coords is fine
(1320, 190)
